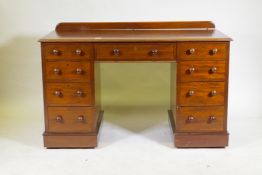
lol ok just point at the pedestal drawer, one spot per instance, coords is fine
(71, 119)
(69, 94)
(202, 50)
(200, 119)
(201, 71)
(201, 93)
(68, 71)
(67, 51)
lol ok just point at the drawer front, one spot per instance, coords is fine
(66, 94)
(71, 119)
(201, 51)
(123, 52)
(201, 70)
(67, 51)
(68, 71)
(200, 119)
(201, 93)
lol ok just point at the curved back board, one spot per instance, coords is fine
(84, 26)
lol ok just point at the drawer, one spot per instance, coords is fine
(202, 50)
(200, 119)
(67, 51)
(68, 71)
(201, 70)
(71, 119)
(123, 52)
(69, 94)
(200, 93)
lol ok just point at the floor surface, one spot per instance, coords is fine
(132, 141)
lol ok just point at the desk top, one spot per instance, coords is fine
(136, 32)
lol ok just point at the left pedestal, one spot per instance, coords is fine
(71, 100)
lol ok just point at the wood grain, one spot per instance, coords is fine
(69, 119)
(69, 95)
(68, 71)
(203, 50)
(86, 26)
(67, 51)
(201, 121)
(134, 52)
(202, 93)
(202, 71)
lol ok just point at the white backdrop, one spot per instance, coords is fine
(136, 140)
(240, 19)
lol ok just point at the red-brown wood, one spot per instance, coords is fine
(134, 52)
(70, 94)
(202, 55)
(201, 50)
(200, 119)
(84, 26)
(71, 119)
(202, 93)
(201, 71)
(67, 51)
(73, 71)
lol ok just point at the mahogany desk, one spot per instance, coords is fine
(199, 84)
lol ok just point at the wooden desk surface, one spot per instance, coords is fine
(86, 32)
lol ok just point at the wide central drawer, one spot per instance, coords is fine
(71, 119)
(201, 93)
(143, 52)
(69, 94)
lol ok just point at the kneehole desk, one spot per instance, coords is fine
(199, 84)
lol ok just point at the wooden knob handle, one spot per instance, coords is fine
(59, 118)
(79, 71)
(211, 119)
(213, 93)
(78, 51)
(79, 93)
(56, 70)
(55, 52)
(191, 70)
(214, 51)
(191, 93)
(154, 52)
(213, 70)
(58, 93)
(116, 52)
(192, 50)
(190, 118)
(80, 118)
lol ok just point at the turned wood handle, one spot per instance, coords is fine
(55, 52)
(79, 71)
(59, 118)
(191, 92)
(58, 93)
(192, 50)
(116, 52)
(56, 70)
(190, 118)
(154, 52)
(78, 52)
(80, 93)
(80, 118)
